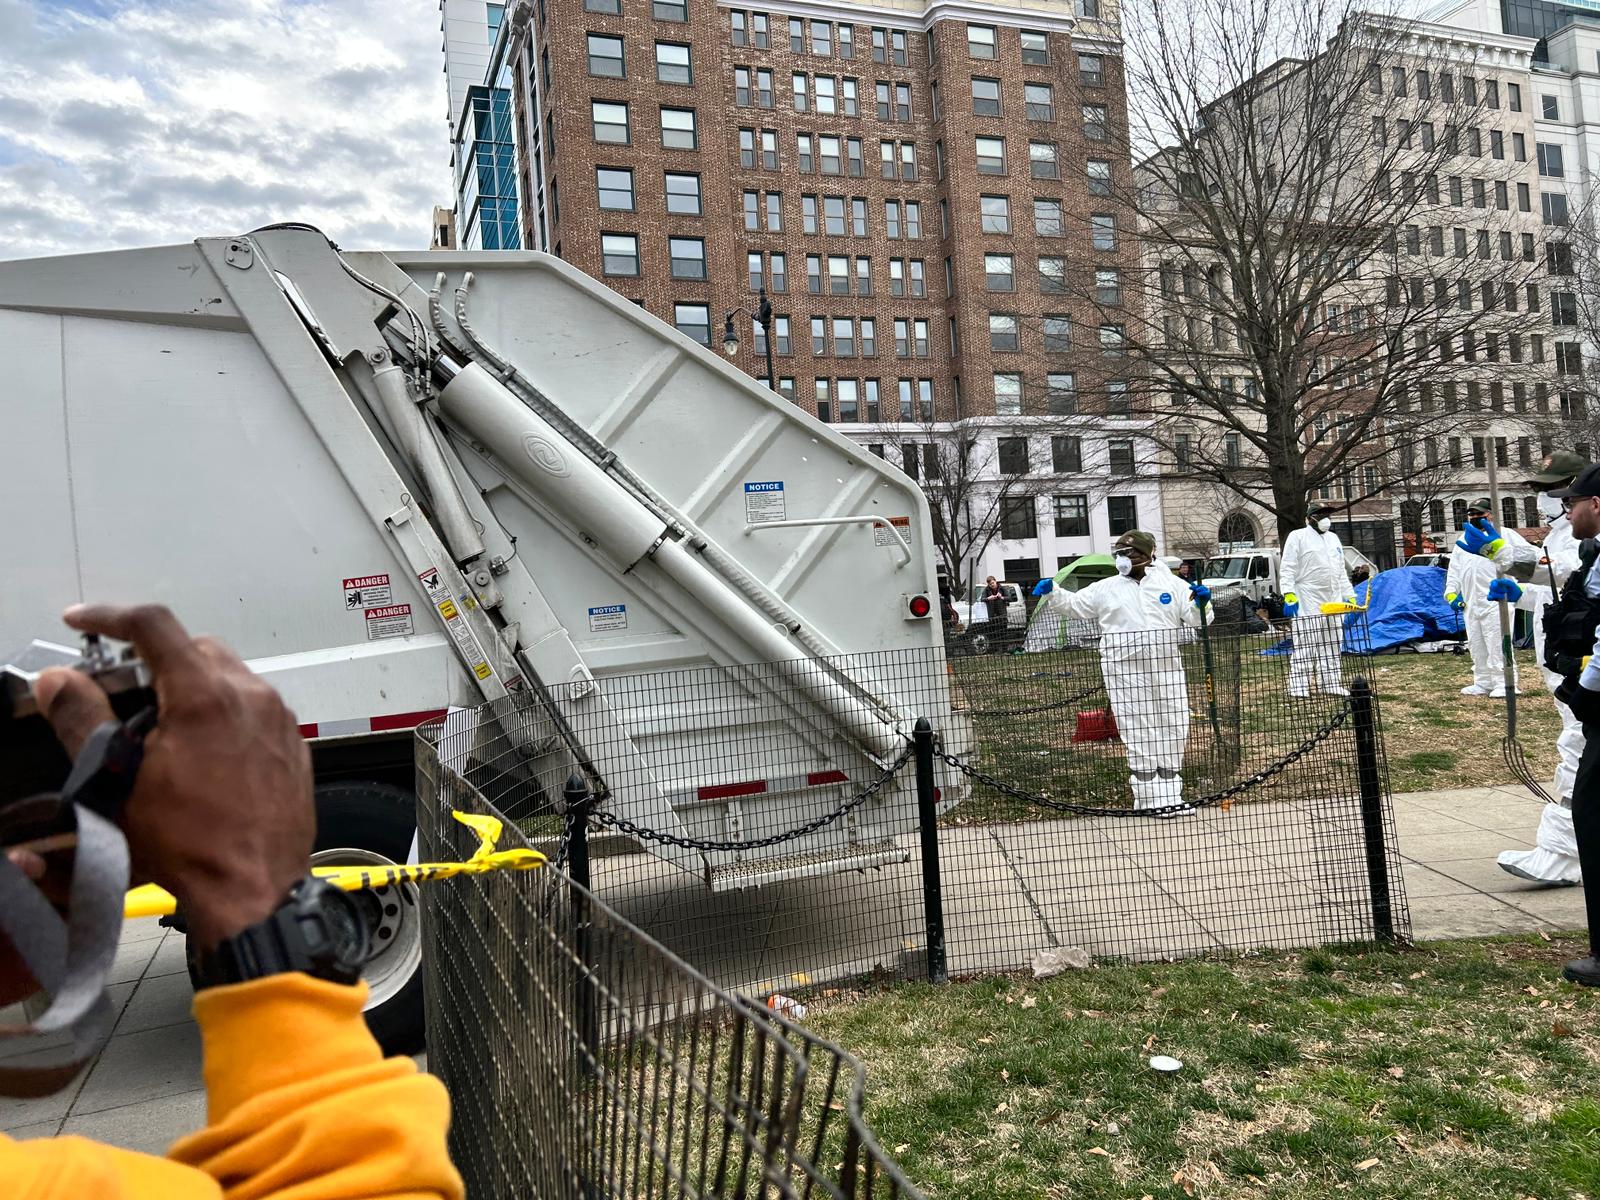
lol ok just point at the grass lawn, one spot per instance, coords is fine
(1460, 1070)
(1026, 709)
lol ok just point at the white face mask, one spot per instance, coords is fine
(1549, 507)
(1324, 525)
(1124, 565)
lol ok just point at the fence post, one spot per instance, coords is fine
(928, 824)
(1370, 778)
(575, 802)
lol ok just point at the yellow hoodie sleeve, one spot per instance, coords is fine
(301, 1103)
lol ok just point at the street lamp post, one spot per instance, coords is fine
(763, 317)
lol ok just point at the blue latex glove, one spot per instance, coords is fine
(1292, 609)
(1200, 593)
(1455, 601)
(1505, 589)
(1044, 587)
(1474, 540)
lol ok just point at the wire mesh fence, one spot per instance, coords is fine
(1138, 795)
(585, 1060)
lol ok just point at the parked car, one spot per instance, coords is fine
(1252, 574)
(994, 631)
(1429, 560)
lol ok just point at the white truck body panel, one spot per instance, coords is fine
(175, 432)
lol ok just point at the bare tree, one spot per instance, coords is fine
(978, 489)
(1337, 248)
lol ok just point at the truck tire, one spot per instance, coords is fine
(362, 823)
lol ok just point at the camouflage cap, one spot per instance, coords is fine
(1557, 470)
(1138, 539)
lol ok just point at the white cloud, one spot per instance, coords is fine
(142, 122)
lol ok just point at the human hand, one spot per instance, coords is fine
(1478, 536)
(1454, 600)
(221, 812)
(1505, 589)
(1200, 593)
(1291, 604)
(1044, 587)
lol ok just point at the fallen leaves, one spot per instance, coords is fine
(1367, 1164)
(1100, 1150)
(1561, 1029)
(1029, 1001)
(1398, 1072)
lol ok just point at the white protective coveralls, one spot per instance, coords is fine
(1313, 571)
(1469, 577)
(1143, 624)
(1554, 858)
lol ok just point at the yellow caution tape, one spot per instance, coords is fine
(152, 901)
(1338, 607)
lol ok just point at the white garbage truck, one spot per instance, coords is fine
(405, 483)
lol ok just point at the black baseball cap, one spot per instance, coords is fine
(1320, 506)
(1587, 484)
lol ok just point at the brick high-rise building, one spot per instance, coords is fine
(922, 187)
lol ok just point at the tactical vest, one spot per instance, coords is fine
(1570, 623)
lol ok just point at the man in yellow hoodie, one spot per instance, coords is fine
(301, 1101)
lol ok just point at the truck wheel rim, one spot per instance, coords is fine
(393, 919)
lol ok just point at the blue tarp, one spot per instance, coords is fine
(1406, 605)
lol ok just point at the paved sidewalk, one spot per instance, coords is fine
(145, 1088)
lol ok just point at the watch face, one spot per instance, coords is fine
(348, 938)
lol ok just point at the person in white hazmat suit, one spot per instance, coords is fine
(1144, 613)
(1481, 554)
(1553, 862)
(1312, 573)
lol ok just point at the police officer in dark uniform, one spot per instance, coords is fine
(1572, 625)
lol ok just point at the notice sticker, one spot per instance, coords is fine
(900, 535)
(391, 620)
(608, 616)
(367, 591)
(763, 502)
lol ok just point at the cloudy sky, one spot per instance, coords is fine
(140, 122)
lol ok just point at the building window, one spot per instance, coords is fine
(1018, 518)
(1095, 126)
(1553, 208)
(1549, 155)
(1549, 108)
(1053, 275)
(826, 90)
(615, 185)
(1013, 455)
(1039, 101)
(1008, 395)
(985, 97)
(672, 63)
(1108, 286)
(613, 7)
(848, 89)
(824, 389)
(769, 149)
(996, 214)
(683, 194)
(980, 41)
(741, 33)
(991, 156)
(1072, 512)
(752, 209)
(1087, 8)
(619, 253)
(998, 273)
(689, 258)
(1111, 340)
(780, 273)
(822, 38)
(747, 148)
(605, 56)
(1122, 513)
(1047, 218)
(799, 85)
(1057, 333)
(797, 36)
(1002, 331)
(774, 212)
(1061, 394)
(1103, 231)
(847, 41)
(844, 337)
(678, 129)
(1042, 160)
(1035, 47)
(610, 122)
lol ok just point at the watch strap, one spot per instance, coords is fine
(297, 936)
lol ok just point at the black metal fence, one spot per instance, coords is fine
(585, 1060)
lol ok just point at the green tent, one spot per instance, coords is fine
(1051, 633)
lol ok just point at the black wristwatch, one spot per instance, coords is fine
(318, 930)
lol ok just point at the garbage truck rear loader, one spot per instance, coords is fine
(405, 483)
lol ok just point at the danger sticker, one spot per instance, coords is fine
(898, 536)
(763, 502)
(391, 620)
(367, 591)
(431, 583)
(608, 616)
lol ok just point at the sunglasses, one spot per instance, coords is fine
(1568, 501)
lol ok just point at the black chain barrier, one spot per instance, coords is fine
(601, 817)
(1037, 708)
(1088, 810)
